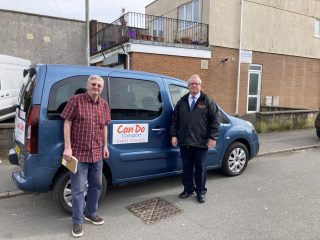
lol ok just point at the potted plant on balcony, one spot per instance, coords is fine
(186, 40)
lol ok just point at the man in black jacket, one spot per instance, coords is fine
(195, 126)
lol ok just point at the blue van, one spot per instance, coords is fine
(139, 142)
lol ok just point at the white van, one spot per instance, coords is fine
(11, 80)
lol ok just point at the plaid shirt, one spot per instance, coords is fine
(88, 121)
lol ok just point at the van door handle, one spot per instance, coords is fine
(2, 95)
(7, 94)
(159, 129)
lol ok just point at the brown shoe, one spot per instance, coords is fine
(77, 230)
(95, 220)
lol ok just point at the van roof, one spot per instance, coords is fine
(6, 59)
(80, 69)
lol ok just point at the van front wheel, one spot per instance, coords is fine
(235, 160)
(62, 192)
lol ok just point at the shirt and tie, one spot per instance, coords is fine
(192, 100)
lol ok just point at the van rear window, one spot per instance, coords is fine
(26, 96)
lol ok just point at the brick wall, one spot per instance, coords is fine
(174, 66)
(219, 81)
(295, 80)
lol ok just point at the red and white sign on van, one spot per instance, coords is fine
(19, 130)
(130, 133)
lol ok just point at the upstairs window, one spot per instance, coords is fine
(157, 26)
(189, 12)
(317, 28)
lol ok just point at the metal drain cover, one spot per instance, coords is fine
(152, 210)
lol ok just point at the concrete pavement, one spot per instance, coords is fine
(270, 143)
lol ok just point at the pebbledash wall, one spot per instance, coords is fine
(295, 79)
(42, 39)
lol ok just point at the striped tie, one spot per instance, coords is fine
(193, 102)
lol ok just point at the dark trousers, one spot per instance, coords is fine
(194, 158)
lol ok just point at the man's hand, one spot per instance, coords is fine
(211, 143)
(67, 154)
(105, 152)
(174, 141)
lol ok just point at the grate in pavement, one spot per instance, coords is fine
(152, 210)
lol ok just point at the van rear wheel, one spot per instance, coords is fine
(62, 192)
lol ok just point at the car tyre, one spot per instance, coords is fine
(235, 160)
(62, 192)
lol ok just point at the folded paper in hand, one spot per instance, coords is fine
(72, 165)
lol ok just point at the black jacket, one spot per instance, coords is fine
(194, 128)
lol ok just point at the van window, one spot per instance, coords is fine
(176, 92)
(132, 99)
(27, 95)
(222, 117)
(63, 90)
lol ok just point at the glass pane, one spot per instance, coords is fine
(255, 67)
(181, 13)
(189, 12)
(317, 28)
(252, 104)
(63, 90)
(132, 99)
(196, 17)
(253, 85)
(177, 92)
(181, 17)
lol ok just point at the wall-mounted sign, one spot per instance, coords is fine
(246, 56)
(129, 133)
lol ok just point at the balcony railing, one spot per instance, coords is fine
(149, 28)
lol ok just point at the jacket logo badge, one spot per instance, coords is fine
(201, 105)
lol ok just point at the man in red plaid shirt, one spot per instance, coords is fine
(85, 132)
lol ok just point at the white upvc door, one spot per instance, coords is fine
(254, 88)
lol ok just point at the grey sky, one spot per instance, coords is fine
(101, 10)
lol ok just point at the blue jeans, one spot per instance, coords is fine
(91, 172)
(194, 161)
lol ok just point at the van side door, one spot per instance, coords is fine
(139, 131)
(176, 91)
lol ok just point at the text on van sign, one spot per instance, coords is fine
(130, 133)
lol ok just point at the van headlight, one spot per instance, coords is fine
(251, 125)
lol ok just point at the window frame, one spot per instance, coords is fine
(317, 28)
(55, 114)
(184, 23)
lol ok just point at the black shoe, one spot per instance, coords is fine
(201, 198)
(185, 194)
(95, 220)
(77, 230)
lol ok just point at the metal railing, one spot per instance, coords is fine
(149, 28)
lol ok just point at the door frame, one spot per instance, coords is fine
(259, 72)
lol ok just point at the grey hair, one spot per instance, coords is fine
(92, 77)
(196, 76)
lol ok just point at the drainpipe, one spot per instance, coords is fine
(239, 61)
(127, 54)
(87, 34)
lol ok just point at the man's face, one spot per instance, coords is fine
(94, 87)
(194, 86)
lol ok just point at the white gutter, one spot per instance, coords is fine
(239, 61)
